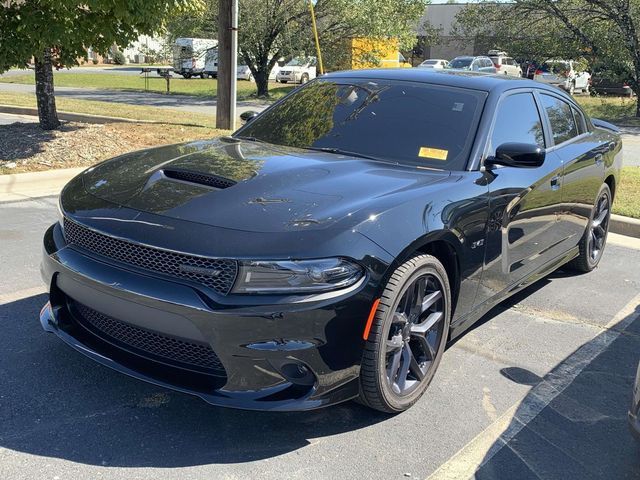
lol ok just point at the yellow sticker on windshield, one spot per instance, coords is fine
(434, 153)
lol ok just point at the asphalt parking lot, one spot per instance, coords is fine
(538, 389)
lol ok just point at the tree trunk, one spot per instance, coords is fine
(45, 97)
(262, 83)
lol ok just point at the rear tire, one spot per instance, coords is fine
(595, 236)
(304, 79)
(407, 337)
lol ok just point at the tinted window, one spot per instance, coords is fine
(563, 125)
(517, 120)
(404, 122)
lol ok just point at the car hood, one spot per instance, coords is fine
(253, 186)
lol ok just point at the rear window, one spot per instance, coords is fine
(401, 122)
(555, 67)
(461, 62)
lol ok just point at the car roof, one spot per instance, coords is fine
(455, 78)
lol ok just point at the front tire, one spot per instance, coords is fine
(407, 337)
(595, 236)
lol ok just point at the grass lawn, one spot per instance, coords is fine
(627, 200)
(109, 109)
(617, 110)
(195, 86)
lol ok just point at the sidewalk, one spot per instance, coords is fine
(24, 186)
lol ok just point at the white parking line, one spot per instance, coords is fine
(490, 441)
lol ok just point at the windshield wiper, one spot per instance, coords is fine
(339, 151)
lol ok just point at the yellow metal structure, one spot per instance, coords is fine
(315, 36)
(363, 52)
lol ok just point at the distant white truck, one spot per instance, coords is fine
(193, 57)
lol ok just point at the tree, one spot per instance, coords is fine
(604, 31)
(56, 33)
(272, 29)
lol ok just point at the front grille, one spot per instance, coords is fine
(218, 274)
(152, 345)
(207, 179)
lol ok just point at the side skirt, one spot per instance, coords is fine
(465, 322)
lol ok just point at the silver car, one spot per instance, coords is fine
(475, 64)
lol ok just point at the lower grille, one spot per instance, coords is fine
(151, 345)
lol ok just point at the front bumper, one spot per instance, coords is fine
(634, 411)
(297, 354)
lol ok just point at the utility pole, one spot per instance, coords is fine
(227, 64)
(315, 36)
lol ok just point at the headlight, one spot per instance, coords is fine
(304, 276)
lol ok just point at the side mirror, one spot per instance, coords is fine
(521, 155)
(249, 115)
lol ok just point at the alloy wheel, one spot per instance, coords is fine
(599, 227)
(416, 330)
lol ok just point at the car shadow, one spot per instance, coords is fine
(24, 140)
(573, 422)
(54, 402)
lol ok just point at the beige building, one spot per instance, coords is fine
(442, 17)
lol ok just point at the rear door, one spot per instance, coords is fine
(522, 233)
(582, 154)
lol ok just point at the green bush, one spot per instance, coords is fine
(94, 61)
(118, 58)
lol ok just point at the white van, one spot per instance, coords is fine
(190, 57)
(298, 70)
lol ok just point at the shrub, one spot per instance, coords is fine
(118, 58)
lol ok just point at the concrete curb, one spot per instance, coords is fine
(624, 226)
(85, 117)
(23, 186)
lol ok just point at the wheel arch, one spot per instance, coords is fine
(611, 182)
(443, 245)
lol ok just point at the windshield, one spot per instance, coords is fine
(298, 62)
(430, 62)
(463, 63)
(401, 122)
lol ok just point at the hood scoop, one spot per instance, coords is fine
(198, 178)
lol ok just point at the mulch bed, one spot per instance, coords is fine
(25, 147)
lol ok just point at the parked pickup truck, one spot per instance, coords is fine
(563, 74)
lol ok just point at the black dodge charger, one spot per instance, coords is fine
(332, 246)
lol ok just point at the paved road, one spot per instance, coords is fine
(539, 389)
(185, 103)
(116, 69)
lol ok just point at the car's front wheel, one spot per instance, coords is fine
(407, 337)
(595, 236)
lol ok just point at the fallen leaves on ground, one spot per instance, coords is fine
(25, 147)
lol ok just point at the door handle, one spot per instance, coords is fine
(599, 159)
(555, 183)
